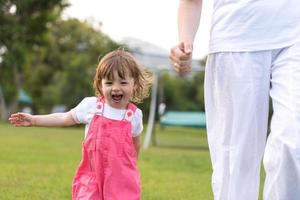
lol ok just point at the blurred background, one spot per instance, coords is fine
(49, 50)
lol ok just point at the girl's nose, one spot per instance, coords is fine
(115, 87)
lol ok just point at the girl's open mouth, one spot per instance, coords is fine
(117, 97)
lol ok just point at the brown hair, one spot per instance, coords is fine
(123, 62)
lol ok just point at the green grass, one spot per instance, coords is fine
(39, 164)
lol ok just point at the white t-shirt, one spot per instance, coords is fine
(254, 25)
(83, 114)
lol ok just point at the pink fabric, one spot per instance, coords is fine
(108, 169)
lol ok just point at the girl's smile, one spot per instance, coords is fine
(118, 91)
(117, 97)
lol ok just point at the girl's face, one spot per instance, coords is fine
(118, 92)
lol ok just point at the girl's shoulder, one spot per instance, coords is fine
(137, 111)
(138, 114)
(91, 99)
(88, 101)
(84, 111)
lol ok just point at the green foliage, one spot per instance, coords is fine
(24, 26)
(198, 83)
(7, 81)
(65, 68)
(53, 60)
(185, 94)
(145, 107)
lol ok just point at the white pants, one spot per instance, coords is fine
(237, 89)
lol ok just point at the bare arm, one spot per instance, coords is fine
(51, 120)
(189, 13)
(136, 142)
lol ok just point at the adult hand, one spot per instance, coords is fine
(21, 119)
(181, 58)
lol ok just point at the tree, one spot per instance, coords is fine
(183, 94)
(62, 72)
(24, 26)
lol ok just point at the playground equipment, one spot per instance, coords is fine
(183, 119)
(23, 97)
(169, 118)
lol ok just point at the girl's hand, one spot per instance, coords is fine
(21, 119)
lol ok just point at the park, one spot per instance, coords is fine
(47, 63)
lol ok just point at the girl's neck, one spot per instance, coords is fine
(110, 106)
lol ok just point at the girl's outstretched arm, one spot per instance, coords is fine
(51, 120)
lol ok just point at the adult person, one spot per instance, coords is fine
(254, 51)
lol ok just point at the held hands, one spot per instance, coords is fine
(21, 119)
(181, 57)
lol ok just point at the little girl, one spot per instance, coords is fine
(108, 169)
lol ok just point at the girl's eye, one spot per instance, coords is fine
(124, 82)
(108, 83)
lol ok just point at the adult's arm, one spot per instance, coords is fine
(189, 13)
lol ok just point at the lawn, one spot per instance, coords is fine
(39, 164)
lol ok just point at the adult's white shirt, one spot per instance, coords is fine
(254, 25)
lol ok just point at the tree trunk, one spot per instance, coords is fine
(3, 108)
(18, 83)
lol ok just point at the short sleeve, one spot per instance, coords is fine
(84, 111)
(137, 123)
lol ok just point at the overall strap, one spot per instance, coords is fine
(131, 108)
(100, 99)
(100, 106)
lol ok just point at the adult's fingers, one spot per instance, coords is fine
(187, 48)
(182, 67)
(179, 65)
(178, 55)
(176, 67)
(181, 58)
(174, 59)
(185, 69)
(182, 71)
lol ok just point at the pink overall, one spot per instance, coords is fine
(108, 169)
